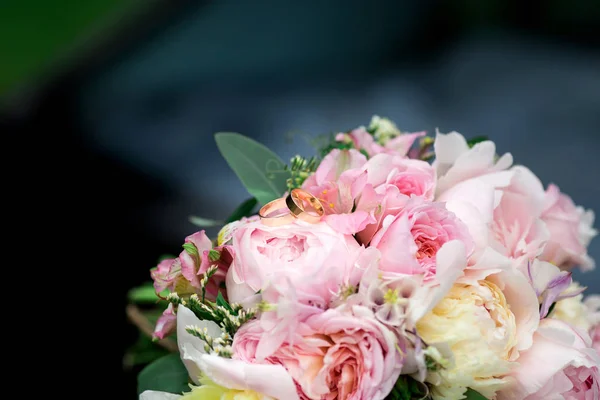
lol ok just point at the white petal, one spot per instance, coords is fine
(451, 260)
(269, 380)
(154, 395)
(447, 148)
(191, 348)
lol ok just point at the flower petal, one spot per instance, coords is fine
(191, 348)
(270, 380)
(155, 395)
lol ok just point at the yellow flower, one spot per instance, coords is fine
(476, 323)
(208, 390)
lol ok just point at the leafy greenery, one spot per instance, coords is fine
(191, 249)
(245, 209)
(300, 168)
(166, 374)
(477, 139)
(144, 351)
(474, 395)
(335, 145)
(550, 309)
(205, 222)
(223, 303)
(408, 388)
(144, 293)
(259, 169)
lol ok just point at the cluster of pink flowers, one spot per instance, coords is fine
(435, 259)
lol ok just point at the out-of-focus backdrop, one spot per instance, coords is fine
(124, 97)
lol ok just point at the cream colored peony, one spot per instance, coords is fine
(485, 321)
(573, 311)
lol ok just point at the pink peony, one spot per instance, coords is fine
(517, 230)
(501, 206)
(342, 355)
(595, 334)
(550, 284)
(560, 365)
(300, 252)
(571, 230)
(409, 241)
(455, 162)
(592, 306)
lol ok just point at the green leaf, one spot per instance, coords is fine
(165, 257)
(260, 170)
(243, 210)
(191, 249)
(166, 374)
(214, 255)
(144, 351)
(205, 222)
(407, 388)
(477, 139)
(474, 395)
(551, 308)
(223, 303)
(143, 294)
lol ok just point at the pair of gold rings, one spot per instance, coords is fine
(298, 204)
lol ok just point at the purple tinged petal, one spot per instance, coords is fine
(555, 287)
(573, 293)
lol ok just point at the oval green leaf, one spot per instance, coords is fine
(260, 170)
(167, 374)
(204, 222)
(244, 210)
(474, 395)
(144, 293)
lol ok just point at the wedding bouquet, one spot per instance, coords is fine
(387, 265)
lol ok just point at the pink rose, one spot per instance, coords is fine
(410, 240)
(571, 230)
(300, 252)
(286, 305)
(395, 180)
(560, 365)
(411, 177)
(342, 355)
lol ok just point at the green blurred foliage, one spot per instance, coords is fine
(35, 32)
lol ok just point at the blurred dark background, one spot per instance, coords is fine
(115, 104)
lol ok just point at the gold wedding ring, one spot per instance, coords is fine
(286, 209)
(276, 213)
(297, 200)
